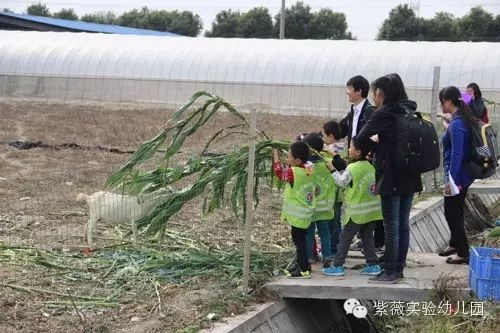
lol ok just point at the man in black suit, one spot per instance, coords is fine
(351, 125)
(361, 109)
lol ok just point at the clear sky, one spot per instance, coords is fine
(363, 16)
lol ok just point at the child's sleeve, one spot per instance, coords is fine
(283, 173)
(342, 179)
(338, 163)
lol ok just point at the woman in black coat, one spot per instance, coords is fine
(395, 188)
(477, 104)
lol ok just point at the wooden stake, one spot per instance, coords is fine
(249, 201)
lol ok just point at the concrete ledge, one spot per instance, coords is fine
(424, 207)
(421, 272)
(296, 316)
(249, 320)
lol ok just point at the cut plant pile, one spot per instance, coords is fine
(122, 277)
(182, 261)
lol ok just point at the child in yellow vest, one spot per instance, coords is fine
(331, 132)
(298, 201)
(325, 198)
(361, 210)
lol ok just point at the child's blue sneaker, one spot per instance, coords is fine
(371, 270)
(334, 271)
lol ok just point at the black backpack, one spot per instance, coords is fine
(417, 144)
(484, 157)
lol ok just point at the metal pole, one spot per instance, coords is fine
(434, 107)
(249, 201)
(282, 20)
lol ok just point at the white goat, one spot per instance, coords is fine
(119, 209)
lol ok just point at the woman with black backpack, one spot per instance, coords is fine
(457, 150)
(477, 105)
(395, 187)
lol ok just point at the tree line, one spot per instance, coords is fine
(301, 23)
(185, 23)
(476, 25)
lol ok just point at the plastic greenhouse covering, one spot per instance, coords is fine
(294, 75)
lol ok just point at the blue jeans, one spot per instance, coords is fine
(335, 228)
(324, 235)
(396, 213)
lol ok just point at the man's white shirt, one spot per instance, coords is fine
(357, 112)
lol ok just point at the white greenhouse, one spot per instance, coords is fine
(286, 76)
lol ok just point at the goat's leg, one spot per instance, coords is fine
(134, 231)
(85, 233)
(90, 228)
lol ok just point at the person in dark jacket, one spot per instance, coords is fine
(361, 109)
(457, 149)
(477, 104)
(396, 189)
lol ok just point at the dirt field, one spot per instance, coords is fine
(38, 210)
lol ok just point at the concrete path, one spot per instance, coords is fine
(421, 272)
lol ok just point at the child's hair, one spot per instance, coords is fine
(359, 83)
(454, 95)
(332, 128)
(315, 141)
(477, 91)
(358, 145)
(300, 150)
(300, 137)
(392, 86)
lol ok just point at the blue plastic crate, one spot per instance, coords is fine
(483, 264)
(484, 273)
(484, 289)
